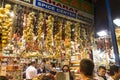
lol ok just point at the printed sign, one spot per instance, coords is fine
(83, 18)
(82, 5)
(56, 9)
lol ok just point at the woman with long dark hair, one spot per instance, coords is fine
(66, 68)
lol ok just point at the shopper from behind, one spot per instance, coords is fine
(66, 68)
(31, 71)
(102, 72)
(86, 69)
(114, 73)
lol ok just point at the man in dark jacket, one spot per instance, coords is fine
(42, 68)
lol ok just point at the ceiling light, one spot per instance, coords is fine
(102, 33)
(117, 22)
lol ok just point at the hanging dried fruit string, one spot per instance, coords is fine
(63, 39)
(35, 39)
(44, 27)
(63, 30)
(55, 30)
(40, 30)
(67, 42)
(36, 22)
(67, 34)
(15, 8)
(49, 37)
(57, 36)
(78, 40)
(20, 21)
(58, 33)
(6, 23)
(83, 36)
(26, 16)
(73, 32)
(77, 33)
(28, 32)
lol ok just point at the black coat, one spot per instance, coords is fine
(39, 70)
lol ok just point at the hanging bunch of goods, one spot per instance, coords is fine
(84, 37)
(57, 33)
(78, 41)
(28, 31)
(6, 23)
(68, 34)
(15, 9)
(48, 36)
(49, 33)
(77, 33)
(67, 42)
(40, 27)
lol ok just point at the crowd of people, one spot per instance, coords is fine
(86, 72)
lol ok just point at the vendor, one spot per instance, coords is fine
(31, 71)
(42, 68)
(66, 68)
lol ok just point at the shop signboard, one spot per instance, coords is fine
(85, 19)
(82, 5)
(54, 8)
(65, 5)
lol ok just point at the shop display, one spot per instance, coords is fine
(33, 34)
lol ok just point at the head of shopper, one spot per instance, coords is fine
(42, 65)
(33, 63)
(114, 72)
(101, 71)
(65, 68)
(86, 67)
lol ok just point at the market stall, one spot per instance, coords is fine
(30, 32)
